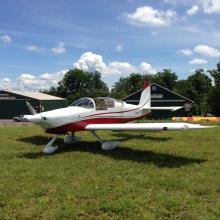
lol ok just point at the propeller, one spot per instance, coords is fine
(31, 108)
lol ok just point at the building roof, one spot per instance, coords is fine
(172, 92)
(35, 95)
(163, 88)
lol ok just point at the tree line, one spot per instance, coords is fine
(203, 87)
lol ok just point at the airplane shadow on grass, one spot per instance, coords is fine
(127, 136)
(119, 153)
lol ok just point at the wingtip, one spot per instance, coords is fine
(209, 126)
(176, 108)
(196, 126)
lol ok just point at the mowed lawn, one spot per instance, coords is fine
(164, 175)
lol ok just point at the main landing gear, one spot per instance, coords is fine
(69, 139)
(106, 145)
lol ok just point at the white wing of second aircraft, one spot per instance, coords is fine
(145, 126)
(171, 108)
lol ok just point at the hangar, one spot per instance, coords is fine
(161, 96)
(12, 103)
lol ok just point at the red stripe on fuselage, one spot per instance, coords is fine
(80, 125)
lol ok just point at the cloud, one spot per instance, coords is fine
(176, 2)
(5, 39)
(147, 68)
(30, 82)
(171, 1)
(193, 10)
(6, 80)
(59, 49)
(27, 77)
(34, 48)
(207, 51)
(119, 48)
(119, 68)
(90, 62)
(94, 62)
(185, 52)
(197, 61)
(149, 16)
(154, 33)
(6, 83)
(210, 6)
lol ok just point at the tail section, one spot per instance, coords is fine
(145, 99)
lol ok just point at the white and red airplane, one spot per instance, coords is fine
(102, 113)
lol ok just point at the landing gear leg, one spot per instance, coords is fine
(106, 145)
(71, 138)
(97, 137)
(48, 149)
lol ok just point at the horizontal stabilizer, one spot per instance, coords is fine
(171, 108)
(145, 126)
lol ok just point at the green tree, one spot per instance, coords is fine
(128, 85)
(215, 73)
(119, 89)
(77, 83)
(200, 85)
(214, 95)
(166, 78)
(185, 88)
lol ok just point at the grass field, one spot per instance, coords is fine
(169, 175)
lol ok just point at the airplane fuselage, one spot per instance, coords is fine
(74, 118)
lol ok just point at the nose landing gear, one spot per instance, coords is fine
(69, 139)
(48, 149)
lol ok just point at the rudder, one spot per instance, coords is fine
(145, 99)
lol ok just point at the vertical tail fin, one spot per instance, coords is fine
(145, 99)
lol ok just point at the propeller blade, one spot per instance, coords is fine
(31, 108)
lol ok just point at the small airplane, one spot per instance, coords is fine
(102, 113)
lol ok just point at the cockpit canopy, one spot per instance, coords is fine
(100, 103)
(84, 103)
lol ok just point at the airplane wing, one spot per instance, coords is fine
(145, 126)
(171, 108)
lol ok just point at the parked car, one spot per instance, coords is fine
(19, 118)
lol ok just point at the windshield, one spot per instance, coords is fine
(84, 103)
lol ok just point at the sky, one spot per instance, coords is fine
(41, 39)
